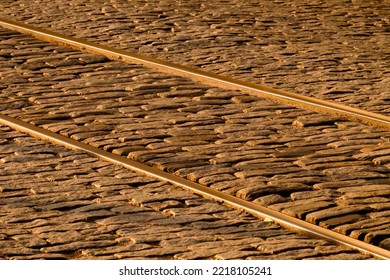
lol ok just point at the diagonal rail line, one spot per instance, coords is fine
(202, 76)
(286, 221)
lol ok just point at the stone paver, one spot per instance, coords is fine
(107, 212)
(334, 50)
(246, 146)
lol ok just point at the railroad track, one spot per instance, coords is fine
(202, 76)
(256, 210)
(330, 59)
(80, 207)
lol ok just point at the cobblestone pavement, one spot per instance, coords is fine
(334, 50)
(324, 170)
(61, 204)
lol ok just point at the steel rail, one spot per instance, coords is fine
(286, 221)
(202, 76)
